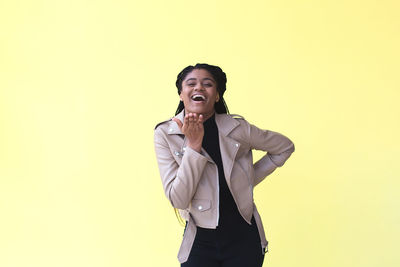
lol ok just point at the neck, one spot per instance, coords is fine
(207, 116)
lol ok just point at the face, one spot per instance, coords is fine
(199, 93)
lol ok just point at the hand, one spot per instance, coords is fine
(193, 130)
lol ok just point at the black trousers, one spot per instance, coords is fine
(226, 247)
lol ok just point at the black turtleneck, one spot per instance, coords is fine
(228, 211)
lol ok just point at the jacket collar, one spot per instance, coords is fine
(225, 123)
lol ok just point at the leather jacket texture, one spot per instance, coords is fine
(189, 178)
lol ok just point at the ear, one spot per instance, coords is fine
(217, 98)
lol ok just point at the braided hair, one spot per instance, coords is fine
(218, 75)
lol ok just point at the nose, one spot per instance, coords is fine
(199, 87)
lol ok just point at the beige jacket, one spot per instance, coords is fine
(189, 177)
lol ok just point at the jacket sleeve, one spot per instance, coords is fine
(179, 181)
(278, 148)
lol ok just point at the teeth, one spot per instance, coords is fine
(199, 96)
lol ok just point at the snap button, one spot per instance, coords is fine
(200, 207)
(237, 145)
(170, 130)
(184, 148)
(177, 153)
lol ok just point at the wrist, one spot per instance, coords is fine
(195, 147)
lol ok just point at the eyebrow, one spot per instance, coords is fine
(194, 79)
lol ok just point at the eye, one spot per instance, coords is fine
(208, 84)
(191, 84)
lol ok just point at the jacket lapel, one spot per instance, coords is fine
(229, 147)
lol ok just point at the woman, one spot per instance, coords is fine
(205, 160)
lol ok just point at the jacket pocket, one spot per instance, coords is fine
(201, 204)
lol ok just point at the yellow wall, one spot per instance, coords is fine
(83, 83)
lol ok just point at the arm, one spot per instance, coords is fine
(179, 181)
(278, 148)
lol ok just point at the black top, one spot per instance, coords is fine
(228, 211)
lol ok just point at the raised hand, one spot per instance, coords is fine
(192, 128)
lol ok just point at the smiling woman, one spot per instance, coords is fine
(205, 160)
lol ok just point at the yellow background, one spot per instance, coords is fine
(83, 83)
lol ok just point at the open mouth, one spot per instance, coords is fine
(198, 98)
